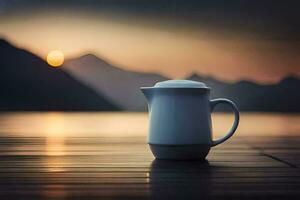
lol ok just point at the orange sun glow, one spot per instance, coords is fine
(55, 58)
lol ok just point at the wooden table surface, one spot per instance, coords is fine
(105, 167)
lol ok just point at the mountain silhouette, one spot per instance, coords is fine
(28, 83)
(89, 83)
(122, 87)
(249, 96)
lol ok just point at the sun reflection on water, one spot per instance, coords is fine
(55, 134)
(54, 142)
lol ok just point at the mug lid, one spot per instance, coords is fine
(180, 84)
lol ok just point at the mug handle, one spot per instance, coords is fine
(213, 104)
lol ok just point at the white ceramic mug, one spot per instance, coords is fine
(180, 119)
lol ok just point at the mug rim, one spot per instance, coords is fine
(174, 90)
(179, 88)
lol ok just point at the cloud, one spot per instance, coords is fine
(277, 20)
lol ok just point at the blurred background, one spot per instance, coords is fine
(94, 55)
(73, 122)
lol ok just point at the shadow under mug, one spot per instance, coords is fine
(180, 179)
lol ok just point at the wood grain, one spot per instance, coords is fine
(89, 167)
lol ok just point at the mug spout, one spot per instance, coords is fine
(148, 94)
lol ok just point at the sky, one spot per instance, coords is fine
(232, 40)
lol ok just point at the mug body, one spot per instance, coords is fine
(180, 123)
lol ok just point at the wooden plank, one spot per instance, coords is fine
(118, 169)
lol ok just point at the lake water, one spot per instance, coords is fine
(122, 124)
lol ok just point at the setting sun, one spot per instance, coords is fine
(55, 58)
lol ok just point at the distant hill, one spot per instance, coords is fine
(29, 83)
(89, 83)
(281, 97)
(121, 86)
